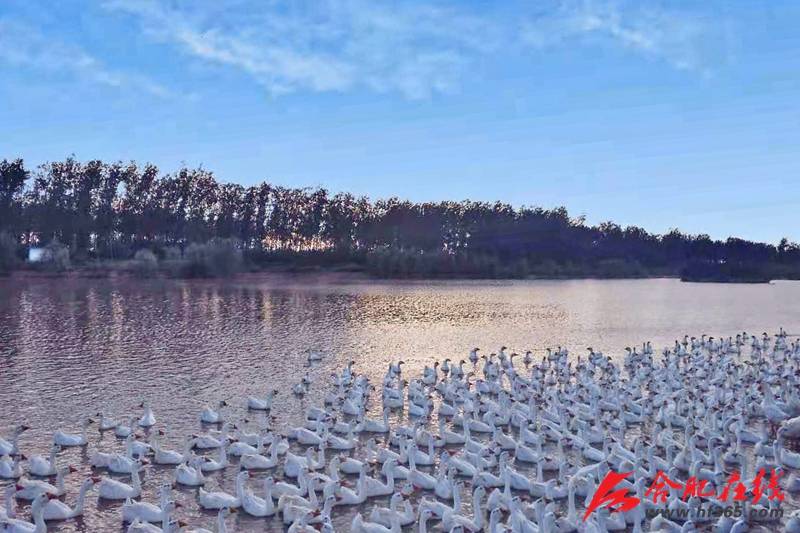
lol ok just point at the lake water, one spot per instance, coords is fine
(70, 348)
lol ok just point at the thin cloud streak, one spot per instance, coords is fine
(324, 46)
(23, 46)
(412, 49)
(678, 38)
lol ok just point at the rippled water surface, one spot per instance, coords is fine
(70, 348)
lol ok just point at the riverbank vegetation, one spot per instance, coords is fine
(111, 217)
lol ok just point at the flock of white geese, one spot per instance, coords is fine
(492, 443)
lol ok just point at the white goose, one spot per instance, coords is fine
(29, 489)
(15, 525)
(452, 519)
(58, 510)
(189, 473)
(262, 404)
(209, 415)
(112, 489)
(162, 456)
(359, 525)
(219, 499)
(105, 423)
(39, 465)
(212, 465)
(256, 506)
(148, 418)
(167, 524)
(222, 515)
(10, 468)
(9, 446)
(256, 461)
(418, 478)
(9, 508)
(64, 439)
(145, 511)
(125, 430)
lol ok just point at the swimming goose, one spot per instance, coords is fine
(209, 415)
(189, 472)
(359, 525)
(439, 508)
(208, 441)
(215, 465)
(785, 457)
(67, 439)
(9, 508)
(167, 524)
(38, 465)
(163, 456)
(122, 431)
(454, 518)
(292, 506)
(15, 525)
(374, 487)
(790, 428)
(384, 515)
(306, 436)
(10, 468)
(256, 461)
(122, 464)
(222, 515)
(418, 478)
(215, 500)
(257, 506)
(58, 510)
(29, 489)
(347, 496)
(145, 511)
(301, 525)
(367, 425)
(105, 423)
(262, 404)
(9, 446)
(112, 489)
(283, 487)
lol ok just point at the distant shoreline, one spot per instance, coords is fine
(337, 274)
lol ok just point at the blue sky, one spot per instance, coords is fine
(660, 114)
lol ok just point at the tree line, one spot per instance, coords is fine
(102, 211)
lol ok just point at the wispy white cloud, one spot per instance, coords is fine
(24, 46)
(323, 45)
(678, 37)
(417, 49)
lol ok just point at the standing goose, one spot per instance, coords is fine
(148, 419)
